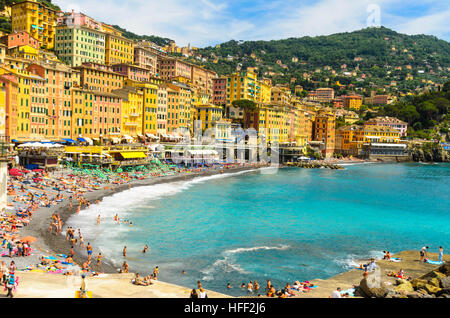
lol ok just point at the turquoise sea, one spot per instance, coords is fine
(287, 224)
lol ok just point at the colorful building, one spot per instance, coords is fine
(241, 85)
(78, 44)
(96, 114)
(324, 131)
(219, 96)
(99, 77)
(392, 122)
(178, 107)
(36, 19)
(18, 39)
(132, 110)
(353, 101)
(146, 57)
(118, 49)
(133, 72)
(209, 115)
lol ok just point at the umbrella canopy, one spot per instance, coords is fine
(28, 239)
(37, 170)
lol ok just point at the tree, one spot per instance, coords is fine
(245, 104)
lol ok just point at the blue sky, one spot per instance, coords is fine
(209, 22)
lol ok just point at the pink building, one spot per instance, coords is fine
(145, 57)
(78, 19)
(219, 96)
(133, 72)
(169, 67)
(19, 39)
(392, 122)
(161, 113)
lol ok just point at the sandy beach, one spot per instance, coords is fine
(49, 244)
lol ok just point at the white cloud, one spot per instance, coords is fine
(207, 22)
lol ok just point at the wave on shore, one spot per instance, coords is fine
(228, 263)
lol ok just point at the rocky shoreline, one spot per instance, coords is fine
(435, 284)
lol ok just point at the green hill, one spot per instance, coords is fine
(377, 55)
(153, 38)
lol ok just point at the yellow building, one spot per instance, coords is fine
(241, 85)
(353, 102)
(132, 111)
(24, 81)
(26, 52)
(265, 91)
(35, 18)
(209, 115)
(350, 139)
(118, 49)
(149, 106)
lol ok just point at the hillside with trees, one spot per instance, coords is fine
(427, 115)
(376, 58)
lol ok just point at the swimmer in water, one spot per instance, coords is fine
(98, 219)
(145, 249)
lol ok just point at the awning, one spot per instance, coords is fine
(69, 140)
(82, 139)
(132, 155)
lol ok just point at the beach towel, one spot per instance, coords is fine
(394, 259)
(434, 262)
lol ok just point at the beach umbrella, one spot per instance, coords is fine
(37, 170)
(28, 239)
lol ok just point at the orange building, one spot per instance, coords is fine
(178, 107)
(96, 114)
(99, 77)
(324, 131)
(59, 80)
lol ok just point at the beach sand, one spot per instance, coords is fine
(43, 285)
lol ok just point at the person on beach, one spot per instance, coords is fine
(387, 255)
(250, 287)
(12, 268)
(99, 260)
(71, 252)
(423, 253)
(124, 251)
(98, 219)
(89, 249)
(256, 285)
(441, 254)
(202, 293)
(336, 293)
(3, 272)
(155, 273)
(83, 287)
(10, 285)
(125, 267)
(193, 294)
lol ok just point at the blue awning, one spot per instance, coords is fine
(69, 140)
(82, 139)
(15, 140)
